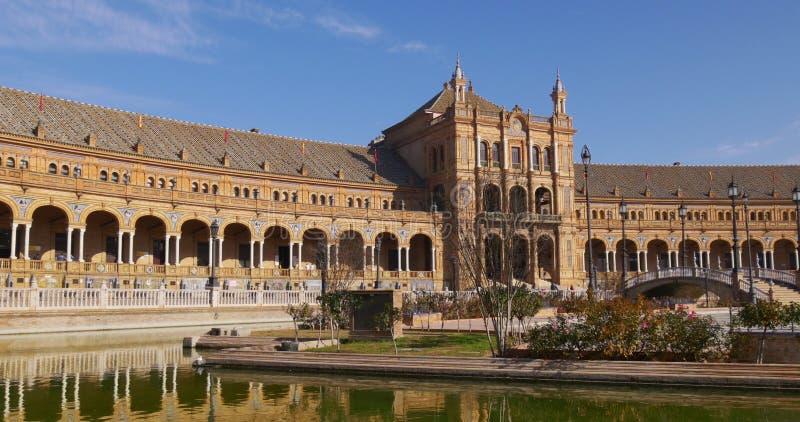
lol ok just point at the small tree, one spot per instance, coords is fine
(765, 315)
(299, 313)
(386, 320)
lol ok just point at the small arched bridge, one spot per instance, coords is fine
(718, 281)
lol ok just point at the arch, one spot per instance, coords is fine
(95, 208)
(322, 200)
(631, 252)
(150, 237)
(518, 199)
(151, 181)
(313, 199)
(162, 183)
(491, 198)
(52, 168)
(236, 191)
(719, 253)
(784, 254)
(39, 203)
(7, 216)
(100, 239)
(420, 247)
(48, 235)
(315, 247)
(141, 214)
(519, 258)
(545, 259)
(349, 250)
(598, 258)
(195, 234)
(272, 229)
(756, 247)
(544, 201)
(224, 225)
(103, 175)
(65, 170)
(195, 187)
(692, 253)
(236, 244)
(658, 254)
(204, 188)
(390, 242)
(277, 246)
(276, 196)
(114, 177)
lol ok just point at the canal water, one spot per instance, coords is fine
(155, 381)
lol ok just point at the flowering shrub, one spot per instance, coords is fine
(620, 329)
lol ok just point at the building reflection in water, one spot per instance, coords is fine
(157, 382)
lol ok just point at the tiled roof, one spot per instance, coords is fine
(71, 122)
(695, 182)
(445, 98)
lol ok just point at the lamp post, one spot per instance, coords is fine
(733, 194)
(623, 215)
(212, 281)
(586, 158)
(682, 214)
(796, 199)
(454, 261)
(751, 290)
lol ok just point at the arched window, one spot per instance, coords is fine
(495, 154)
(246, 192)
(205, 188)
(720, 216)
(366, 203)
(161, 183)
(664, 215)
(65, 170)
(313, 199)
(52, 168)
(276, 196)
(546, 159)
(760, 216)
(350, 202)
(358, 202)
(195, 187)
(484, 154)
(577, 213)
(704, 216)
(115, 177)
(641, 215)
(322, 199)
(11, 162)
(393, 205)
(658, 216)
(752, 215)
(767, 216)
(594, 214)
(633, 215)
(103, 175)
(150, 182)
(385, 204)
(285, 196)
(689, 216)
(294, 197)
(727, 216)
(330, 200)
(785, 216)
(214, 189)
(535, 158)
(602, 215)
(672, 215)
(236, 191)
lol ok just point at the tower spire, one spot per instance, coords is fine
(559, 95)
(459, 82)
(458, 73)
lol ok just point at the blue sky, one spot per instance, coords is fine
(709, 82)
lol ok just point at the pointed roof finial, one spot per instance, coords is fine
(458, 74)
(559, 87)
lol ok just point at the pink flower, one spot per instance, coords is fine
(644, 325)
(692, 315)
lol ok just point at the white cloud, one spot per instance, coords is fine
(151, 27)
(410, 47)
(341, 25)
(788, 136)
(258, 13)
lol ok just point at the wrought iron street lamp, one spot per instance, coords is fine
(733, 194)
(586, 158)
(682, 214)
(751, 290)
(378, 261)
(213, 282)
(623, 215)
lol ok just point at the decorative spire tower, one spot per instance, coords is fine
(559, 96)
(459, 82)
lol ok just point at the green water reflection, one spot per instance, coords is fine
(156, 382)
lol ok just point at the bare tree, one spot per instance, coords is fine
(489, 244)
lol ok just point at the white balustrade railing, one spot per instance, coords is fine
(31, 299)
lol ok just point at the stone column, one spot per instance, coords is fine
(433, 259)
(399, 260)
(644, 267)
(131, 255)
(69, 244)
(120, 233)
(219, 251)
(261, 253)
(772, 259)
(530, 155)
(14, 240)
(796, 261)
(365, 256)
(291, 255)
(210, 250)
(740, 258)
(80, 243)
(608, 253)
(505, 153)
(478, 151)
(27, 242)
(328, 260)
(299, 254)
(177, 250)
(166, 249)
(408, 259)
(583, 260)
(614, 261)
(252, 253)
(732, 259)
(669, 259)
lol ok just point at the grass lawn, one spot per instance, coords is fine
(441, 344)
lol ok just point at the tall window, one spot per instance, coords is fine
(495, 155)
(103, 175)
(516, 158)
(52, 168)
(115, 177)
(546, 158)
(65, 170)
(535, 158)
(150, 182)
(484, 154)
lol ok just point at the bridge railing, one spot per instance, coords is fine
(778, 276)
(719, 276)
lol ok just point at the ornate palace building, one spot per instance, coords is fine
(91, 194)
